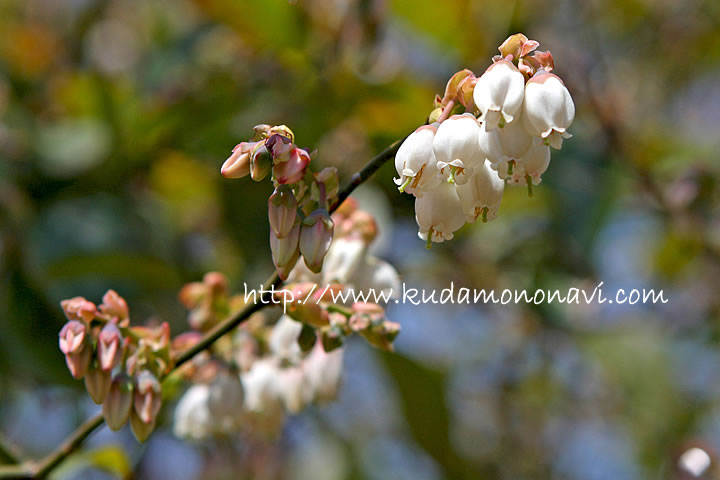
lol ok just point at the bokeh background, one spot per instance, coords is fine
(115, 116)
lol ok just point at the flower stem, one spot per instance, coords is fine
(528, 180)
(43, 467)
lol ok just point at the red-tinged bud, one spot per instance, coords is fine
(381, 335)
(148, 397)
(283, 271)
(452, 89)
(78, 308)
(261, 132)
(315, 239)
(73, 337)
(279, 147)
(185, 340)
(328, 177)
(309, 313)
(282, 211)
(140, 429)
(293, 170)
(283, 130)
(114, 306)
(97, 383)
(109, 347)
(260, 162)
(364, 224)
(285, 250)
(367, 308)
(345, 209)
(78, 363)
(237, 164)
(117, 405)
(192, 294)
(518, 46)
(216, 283)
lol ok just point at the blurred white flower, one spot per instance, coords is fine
(192, 416)
(283, 339)
(323, 371)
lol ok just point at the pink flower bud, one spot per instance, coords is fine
(260, 162)
(72, 337)
(97, 384)
(279, 147)
(328, 177)
(78, 363)
(78, 308)
(109, 347)
(114, 305)
(315, 239)
(147, 397)
(140, 429)
(293, 170)
(118, 402)
(309, 313)
(238, 163)
(282, 211)
(285, 250)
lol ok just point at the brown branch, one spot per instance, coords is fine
(43, 467)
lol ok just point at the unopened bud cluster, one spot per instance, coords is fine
(484, 132)
(268, 368)
(300, 224)
(119, 363)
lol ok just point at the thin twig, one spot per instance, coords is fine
(42, 468)
(9, 453)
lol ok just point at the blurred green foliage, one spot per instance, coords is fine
(115, 116)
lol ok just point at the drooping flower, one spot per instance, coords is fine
(109, 347)
(116, 408)
(238, 163)
(548, 110)
(416, 164)
(439, 214)
(315, 238)
(480, 197)
(192, 417)
(499, 93)
(457, 148)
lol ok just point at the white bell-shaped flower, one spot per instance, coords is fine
(296, 390)
(548, 110)
(192, 418)
(498, 94)
(514, 143)
(323, 371)
(457, 148)
(345, 256)
(480, 197)
(533, 164)
(225, 401)
(261, 387)
(439, 214)
(283, 339)
(416, 164)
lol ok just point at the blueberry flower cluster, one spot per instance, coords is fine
(120, 364)
(483, 133)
